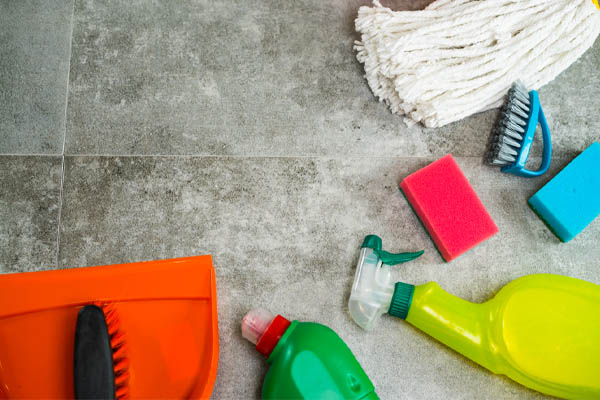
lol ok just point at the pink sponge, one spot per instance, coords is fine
(448, 207)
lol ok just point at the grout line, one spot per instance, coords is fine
(60, 205)
(62, 164)
(247, 155)
(326, 157)
(68, 76)
(30, 155)
(267, 156)
(264, 156)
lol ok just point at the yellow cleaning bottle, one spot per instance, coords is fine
(540, 330)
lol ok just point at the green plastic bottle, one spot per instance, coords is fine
(307, 360)
(540, 330)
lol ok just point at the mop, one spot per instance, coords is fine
(459, 57)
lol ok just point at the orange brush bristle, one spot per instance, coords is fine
(119, 350)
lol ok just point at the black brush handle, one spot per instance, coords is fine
(93, 370)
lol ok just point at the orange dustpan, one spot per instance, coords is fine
(167, 310)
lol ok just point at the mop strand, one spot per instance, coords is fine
(459, 57)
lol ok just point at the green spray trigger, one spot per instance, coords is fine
(399, 258)
(374, 242)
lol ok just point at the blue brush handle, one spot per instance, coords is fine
(536, 116)
(547, 152)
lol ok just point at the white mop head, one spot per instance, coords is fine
(459, 57)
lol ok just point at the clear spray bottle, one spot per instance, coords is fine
(540, 330)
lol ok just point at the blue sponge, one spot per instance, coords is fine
(571, 200)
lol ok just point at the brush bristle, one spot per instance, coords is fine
(508, 134)
(119, 350)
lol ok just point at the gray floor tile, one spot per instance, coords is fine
(259, 78)
(29, 207)
(35, 40)
(285, 235)
(217, 78)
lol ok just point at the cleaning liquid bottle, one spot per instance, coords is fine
(540, 330)
(307, 360)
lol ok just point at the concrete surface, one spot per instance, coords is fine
(29, 208)
(35, 39)
(244, 129)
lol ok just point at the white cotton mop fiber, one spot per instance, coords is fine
(458, 57)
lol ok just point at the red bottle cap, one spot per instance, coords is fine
(270, 338)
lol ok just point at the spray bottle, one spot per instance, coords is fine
(540, 330)
(307, 360)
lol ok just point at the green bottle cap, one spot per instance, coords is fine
(401, 300)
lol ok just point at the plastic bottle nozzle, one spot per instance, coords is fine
(373, 288)
(262, 329)
(255, 324)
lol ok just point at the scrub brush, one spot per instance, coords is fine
(101, 369)
(513, 135)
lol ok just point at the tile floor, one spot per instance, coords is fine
(137, 130)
